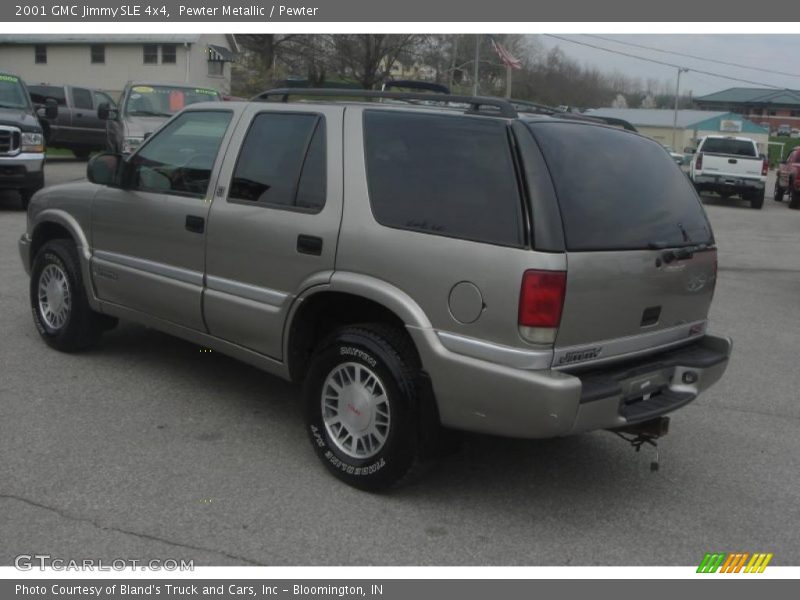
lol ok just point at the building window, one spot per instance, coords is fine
(40, 51)
(98, 52)
(771, 113)
(168, 54)
(150, 54)
(216, 68)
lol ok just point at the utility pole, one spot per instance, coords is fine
(454, 50)
(508, 81)
(675, 115)
(475, 68)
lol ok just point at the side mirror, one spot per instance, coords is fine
(105, 111)
(48, 110)
(51, 108)
(105, 169)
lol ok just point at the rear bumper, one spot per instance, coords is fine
(23, 171)
(730, 183)
(477, 395)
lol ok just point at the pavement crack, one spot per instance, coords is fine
(144, 536)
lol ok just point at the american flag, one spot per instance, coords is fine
(508, 59)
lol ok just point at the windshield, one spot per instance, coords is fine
(165, 101)
(729, 146)
(618, 190)
(12, 94)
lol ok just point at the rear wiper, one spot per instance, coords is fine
(679, 253)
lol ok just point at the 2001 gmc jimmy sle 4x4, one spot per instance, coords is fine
(414, 265)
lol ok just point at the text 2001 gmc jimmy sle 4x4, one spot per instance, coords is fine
(414, 266)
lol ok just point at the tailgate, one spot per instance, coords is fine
(731, 166)
(618, 295)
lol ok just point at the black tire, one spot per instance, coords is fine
(81, 327)
(794, 199)
(778, 192)
(362, 352)
(757, 200)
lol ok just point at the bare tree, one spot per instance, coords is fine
(369, 58)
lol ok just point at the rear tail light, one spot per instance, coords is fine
(764, 167)
(541, 300)
(698, 165)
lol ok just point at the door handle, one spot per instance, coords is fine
(195, 224)
(309, 244)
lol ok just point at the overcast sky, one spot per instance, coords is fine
(774, 52)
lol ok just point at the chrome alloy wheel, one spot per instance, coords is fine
(355, 410)
(55, 297)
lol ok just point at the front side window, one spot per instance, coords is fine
(180, 157)
(40, 94)
(443, 175)
(100, 98)
(282, 162)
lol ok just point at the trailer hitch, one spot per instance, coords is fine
(645, 433)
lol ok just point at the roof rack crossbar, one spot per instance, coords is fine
(503, 107)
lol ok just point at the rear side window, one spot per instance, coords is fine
(282, 162)
(619, 191)
(82, 98)
(40, 94)
(443, 175)
(729, 146)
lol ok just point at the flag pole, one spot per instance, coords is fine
(475, 68)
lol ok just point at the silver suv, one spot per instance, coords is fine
(418, 268)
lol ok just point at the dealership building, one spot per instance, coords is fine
(107, 62)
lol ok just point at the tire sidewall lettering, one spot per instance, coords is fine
(353, 352)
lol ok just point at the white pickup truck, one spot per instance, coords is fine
(728, 166)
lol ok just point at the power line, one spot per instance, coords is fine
(666, 64)
(712, 60)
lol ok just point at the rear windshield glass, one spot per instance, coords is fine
(726, 146)
(618, 190)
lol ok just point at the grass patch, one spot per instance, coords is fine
(775, 151)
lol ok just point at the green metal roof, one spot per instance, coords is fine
(741, 95)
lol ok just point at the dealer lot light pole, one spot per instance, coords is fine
(675, 115)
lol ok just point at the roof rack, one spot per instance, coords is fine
(502, 107)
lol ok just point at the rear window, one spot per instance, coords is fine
(443, 175)
(726, 146)
(619, 191)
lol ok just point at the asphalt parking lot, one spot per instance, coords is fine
(147, 448)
